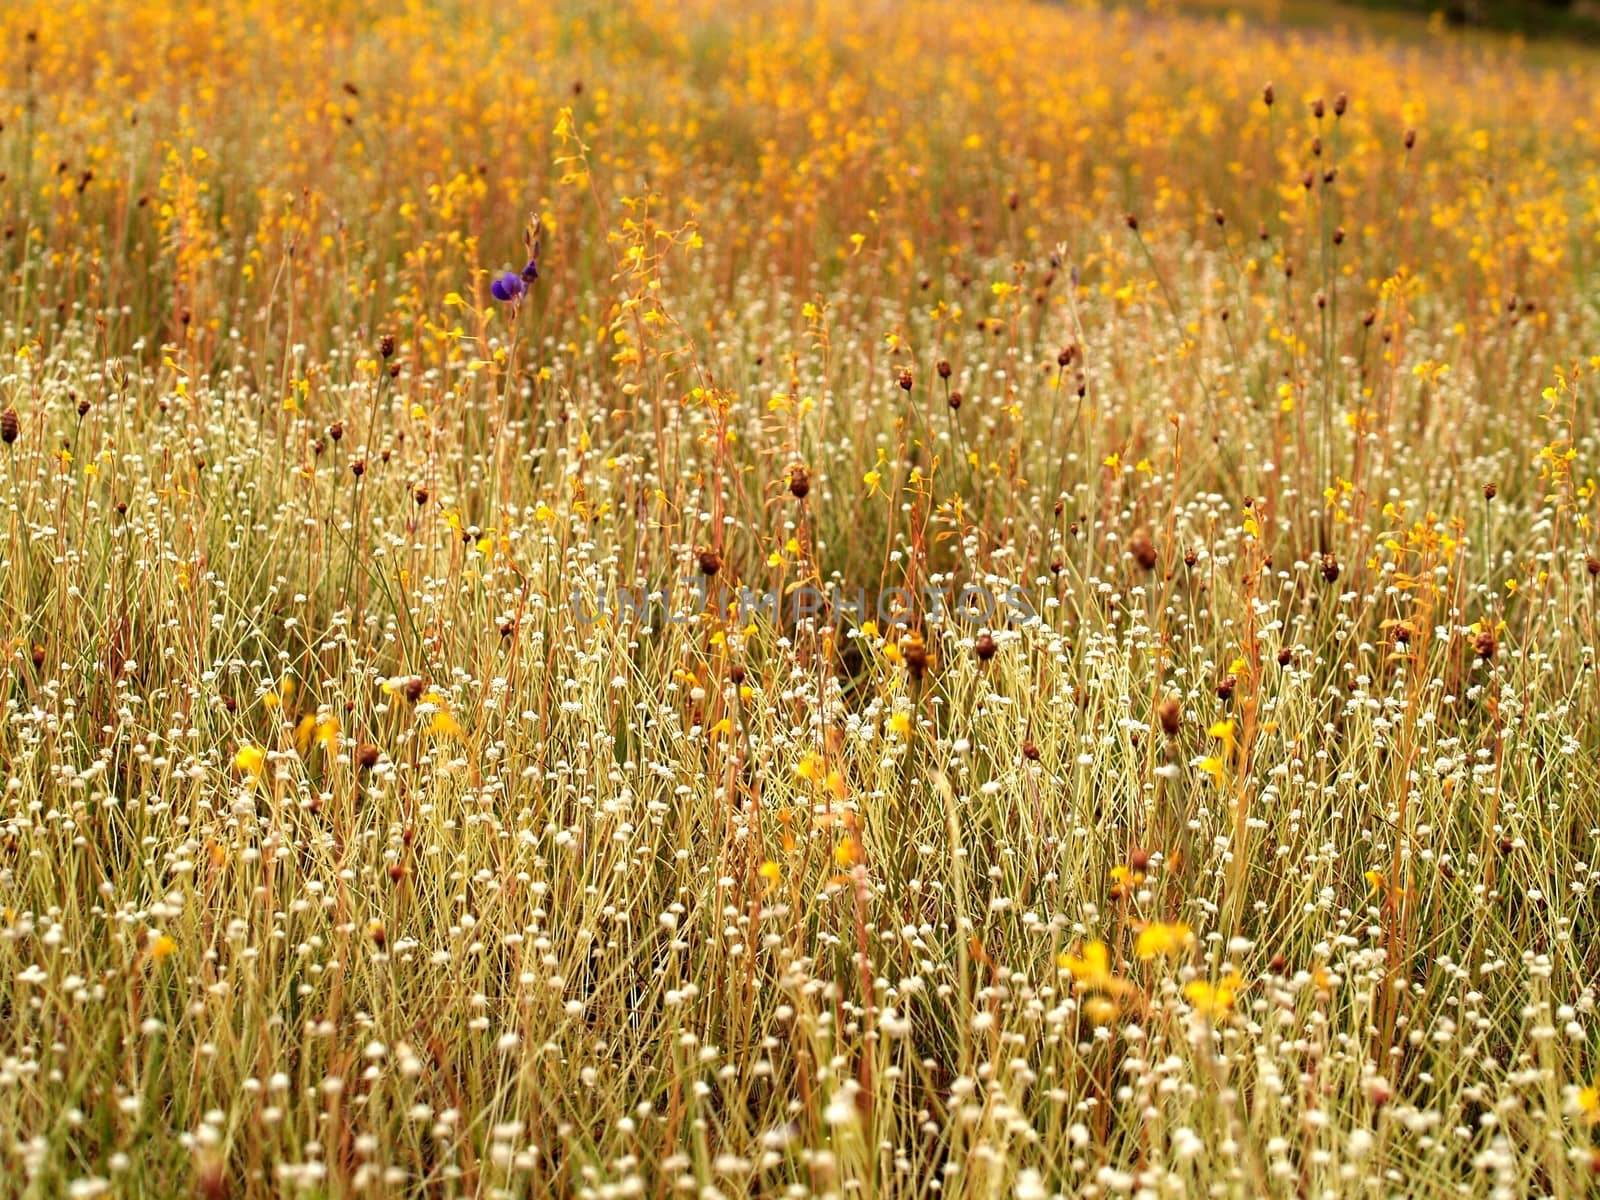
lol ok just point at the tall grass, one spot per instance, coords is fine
(359, 838)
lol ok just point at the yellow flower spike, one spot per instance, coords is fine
(1162, 940)
(162, 948)
(771, 872)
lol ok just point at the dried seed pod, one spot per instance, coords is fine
(10, 426)
(985, 647)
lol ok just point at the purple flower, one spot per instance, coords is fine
(531, 271)
(507, 288)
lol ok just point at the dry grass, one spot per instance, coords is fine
(1238, 845)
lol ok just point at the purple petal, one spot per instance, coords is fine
(497, 289)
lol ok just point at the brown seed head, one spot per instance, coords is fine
(1330, 568)
(386, 345)
(915, 653)
(985, 647)
(1143, 549)
(1485, 643)
(1030, 751)
(366, 756)
(710, 561)
(1170, 714)
(10, 426)
(799, 481)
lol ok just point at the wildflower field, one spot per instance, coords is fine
(807, 598)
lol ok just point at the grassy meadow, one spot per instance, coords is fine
(1162, 758)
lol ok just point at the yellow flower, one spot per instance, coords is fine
(1160, 938)
(442, 723)
(1123, 875)
(848, 852)
(1223, 732)
(771, 872)
(1589, 1104)
(279, 696)
(1102, 1010)
(249, 759)
(1214, 1000)
(900, 723)
(162, 948)
(1092, 971)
